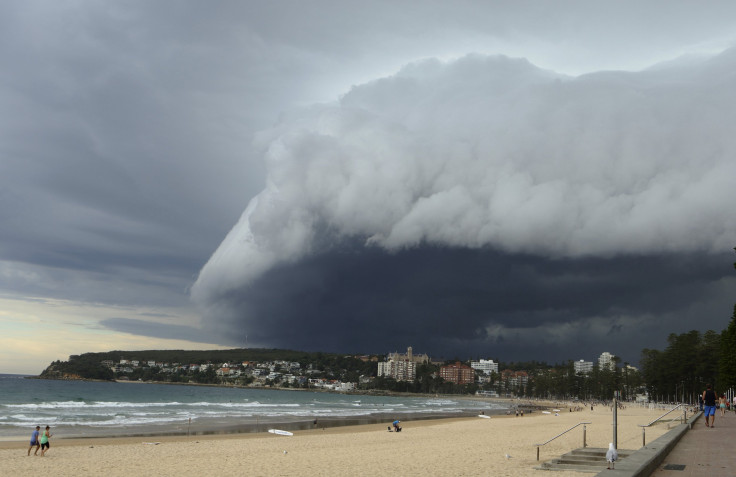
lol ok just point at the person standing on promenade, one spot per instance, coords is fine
(45, 441)
(709, 405)
(722, 404)
(34, 441)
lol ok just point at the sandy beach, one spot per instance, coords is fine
(442, 447)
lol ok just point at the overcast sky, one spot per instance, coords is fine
(508, 180)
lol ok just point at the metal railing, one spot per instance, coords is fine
(644, 426)
(563, 433)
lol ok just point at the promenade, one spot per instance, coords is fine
(703, 451)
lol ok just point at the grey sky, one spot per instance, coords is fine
(133, 136)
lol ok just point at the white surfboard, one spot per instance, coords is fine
(546, 412)
(280, 432)
(484, 416)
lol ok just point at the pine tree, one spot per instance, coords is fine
(727, 358)
(727, 361)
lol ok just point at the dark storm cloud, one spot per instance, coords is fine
(461, 303)
(572, 182)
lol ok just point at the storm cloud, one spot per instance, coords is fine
(479, 184)
(503, 155)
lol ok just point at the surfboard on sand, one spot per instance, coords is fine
(546, 412)
(484, 416)
(280, 432)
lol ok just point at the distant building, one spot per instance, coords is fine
(514, 379)
(402, 367)
(583, 367)
(409, 356)
(399, 370)
(345, 387)
(486, 366)
(458, 373)
(605, 361)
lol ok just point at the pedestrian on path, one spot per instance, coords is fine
(722, 404)
(709, 405)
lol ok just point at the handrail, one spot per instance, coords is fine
(660, 417)
(562, 433)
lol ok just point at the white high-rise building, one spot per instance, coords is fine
(403, 370)
(605, 361)
(583, 367)
(487, 366)
(402, 367)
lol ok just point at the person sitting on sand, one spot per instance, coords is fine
(396, 425)
(34, 441)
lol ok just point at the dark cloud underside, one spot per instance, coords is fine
(448, 302)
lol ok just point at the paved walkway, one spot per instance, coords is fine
(703, 451)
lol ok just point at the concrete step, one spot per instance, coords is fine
(585, 459)
(598, 452)
(565, 459)
(592, 469)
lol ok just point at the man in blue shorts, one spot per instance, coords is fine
(34, 441)
(709, 405)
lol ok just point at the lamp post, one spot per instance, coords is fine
(615, 420)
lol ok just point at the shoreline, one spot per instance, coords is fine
(254, 426)
(337, 428)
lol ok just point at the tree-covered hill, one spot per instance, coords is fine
(90, 365)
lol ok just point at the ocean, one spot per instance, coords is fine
(96, 409)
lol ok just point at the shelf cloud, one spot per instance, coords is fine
(494, 158)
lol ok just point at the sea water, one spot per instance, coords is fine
(91, 409)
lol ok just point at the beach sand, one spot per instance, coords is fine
(442, 447)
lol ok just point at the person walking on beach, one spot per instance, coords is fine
(709, 405)
(34, 441)
(45, 441)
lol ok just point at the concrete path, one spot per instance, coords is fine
(703, 451)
